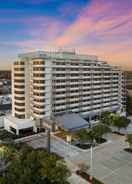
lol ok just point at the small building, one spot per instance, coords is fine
(19, 126)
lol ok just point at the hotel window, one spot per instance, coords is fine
(38, 62)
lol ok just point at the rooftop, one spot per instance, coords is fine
(20, 123)
(57, 54)
(71, 122)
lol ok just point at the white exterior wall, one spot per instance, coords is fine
(83, 83)
(28, 73)
(12, 78)
(48, 87)
(18, 124)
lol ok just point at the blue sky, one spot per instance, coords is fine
(89, 26)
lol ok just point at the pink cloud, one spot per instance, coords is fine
(103, 28)
(95, 19)
(84, 24)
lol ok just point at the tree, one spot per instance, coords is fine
(55, 170)
(36, 167)
(85, 135)
(8, 151)
(95, 133)
(82, 134)
(99, 130)
(129, 140)
(23, 170)
(106, 118)
(121, 122)
(2, 180)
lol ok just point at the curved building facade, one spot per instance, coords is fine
(45, 84)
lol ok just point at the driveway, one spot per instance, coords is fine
(111, 164)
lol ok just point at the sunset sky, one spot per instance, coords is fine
(100, 27)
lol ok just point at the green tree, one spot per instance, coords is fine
(106, 118)
(82, 134)
(85, 135)
(55, 170)
(129, 140)
(2, 180)
(36, 167)
(95, 133)
(8, 151)
(99, 130)
(121, 122)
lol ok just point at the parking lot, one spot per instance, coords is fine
(111, 164)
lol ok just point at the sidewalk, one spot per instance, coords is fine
(75, 179)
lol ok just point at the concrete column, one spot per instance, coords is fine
(17, 131)
(35, 129)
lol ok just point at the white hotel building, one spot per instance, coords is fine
(47, 84)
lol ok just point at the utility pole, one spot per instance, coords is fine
(48, 140)
(91, 161)
(91, 164)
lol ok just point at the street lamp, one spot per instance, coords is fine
(48, 140)
(91, 161)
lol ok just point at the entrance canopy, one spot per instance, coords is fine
(15, 125)
(71, 122)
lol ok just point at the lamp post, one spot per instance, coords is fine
(91, 161)
(48, 140)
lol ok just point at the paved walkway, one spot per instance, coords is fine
(75, 179)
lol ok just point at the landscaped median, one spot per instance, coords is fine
(84, 138)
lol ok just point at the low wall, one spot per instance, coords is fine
(29, 138)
